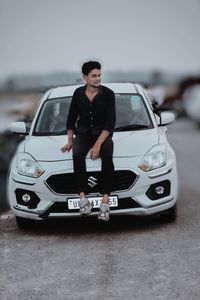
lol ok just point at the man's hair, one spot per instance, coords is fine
(88, 66)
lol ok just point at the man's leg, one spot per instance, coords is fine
(107, 172)
(81, 146)
(107, 168)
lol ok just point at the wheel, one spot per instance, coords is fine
(169, 215)
(25, 224)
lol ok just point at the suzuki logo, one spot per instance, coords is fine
(92, 181)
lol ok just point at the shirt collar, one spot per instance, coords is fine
(100, 89)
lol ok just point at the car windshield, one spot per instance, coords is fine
(131, 114)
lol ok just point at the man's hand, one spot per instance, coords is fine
(67, 148)
(94, 152)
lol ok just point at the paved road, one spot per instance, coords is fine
(129, 258)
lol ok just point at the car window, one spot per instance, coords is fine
(53, 116)
(130, 110)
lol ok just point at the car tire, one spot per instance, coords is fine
(25, 224)
(169, 215)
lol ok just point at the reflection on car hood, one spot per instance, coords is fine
(126, 144)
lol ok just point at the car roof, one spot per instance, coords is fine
(121, 87)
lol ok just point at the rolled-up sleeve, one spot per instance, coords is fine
(73, 113)
(110, 113)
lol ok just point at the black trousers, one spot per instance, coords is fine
(81, 146)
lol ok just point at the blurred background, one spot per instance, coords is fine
(44, 43)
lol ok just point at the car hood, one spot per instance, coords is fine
(126, 144)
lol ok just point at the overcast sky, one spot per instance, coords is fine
(41, 36)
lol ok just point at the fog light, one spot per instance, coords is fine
(159, 190)
(26, 197)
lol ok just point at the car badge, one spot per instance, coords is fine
(92, 181)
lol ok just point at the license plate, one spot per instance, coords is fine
(73, 203)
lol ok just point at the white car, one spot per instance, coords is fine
(41, 181)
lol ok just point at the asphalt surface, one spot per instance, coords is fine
(127, 258)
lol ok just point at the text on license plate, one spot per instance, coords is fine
(73, 203)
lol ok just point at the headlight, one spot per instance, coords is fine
(27, 166)
(155, 158)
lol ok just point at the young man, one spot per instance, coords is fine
(93, 105)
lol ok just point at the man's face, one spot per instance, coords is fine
(93, 79)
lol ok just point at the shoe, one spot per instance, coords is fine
(85, 206)
(104, 213)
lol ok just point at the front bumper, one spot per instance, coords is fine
(139, 202)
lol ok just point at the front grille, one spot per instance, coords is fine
(62, 207)
(65, 183)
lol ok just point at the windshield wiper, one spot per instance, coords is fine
(50, 133)
(61, 132)
(132, 126)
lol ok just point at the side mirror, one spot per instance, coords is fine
(19, 127)
(166, 117)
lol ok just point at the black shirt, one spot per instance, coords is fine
(86, 117)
